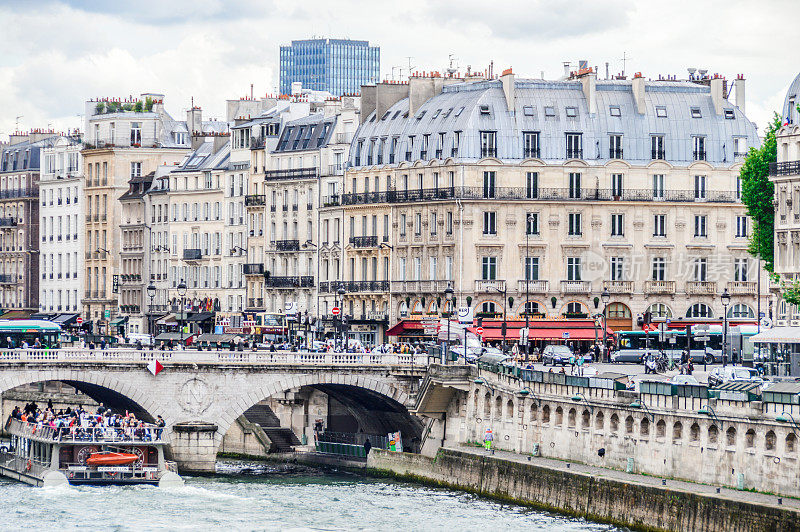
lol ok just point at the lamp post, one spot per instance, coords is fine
(448, 294)
(503, 327)
(151, 292)
(605, 297)
(726, 300)
(340, 292)
(182, 293)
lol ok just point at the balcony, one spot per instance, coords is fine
(419, 287)
(287, 245)
(8, 278)
(701, 288)
(532, 287)
(574, 153)
(658, 155)
(192, 254)
(365, 286)
(336, 169)
(699, 155)
(304, 281)
(255, 303)
(576, 287)
(784, 168)
(8, 222)
(19, 193)
(659, 287)
(490, 285)
(742, 288)
(255, 200)
(364, 241)
(618, 287)
(254, 269)
(294, 173)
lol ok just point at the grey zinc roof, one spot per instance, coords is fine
(678, 98)
(204, 158)
(309, 132)
(791, 101)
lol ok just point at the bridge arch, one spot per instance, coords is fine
(378, 404)
(92, 383)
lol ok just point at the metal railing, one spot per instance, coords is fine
(77, 434)
(293, 173)
(524, 193)
(255, 200)
(255, 303)
(414, 287)
(253, 269)
(137, 357)
(8, 222)
(303, 281)
(19, 193)
(784, 168)
(287, 245)
(364, 241)
(192, 254)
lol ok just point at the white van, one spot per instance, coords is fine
(146, 339)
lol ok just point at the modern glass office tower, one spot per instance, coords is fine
(339, 66)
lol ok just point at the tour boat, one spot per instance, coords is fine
(111, 459)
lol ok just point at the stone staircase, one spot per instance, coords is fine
(283, 440)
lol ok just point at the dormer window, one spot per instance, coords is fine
(372, 119)
(396, 114)
(614, 110)
(460, 110)
(436, 114)
(484, 110)
(527, 110)
(421, 114)
(549, 111)
(385, 115)
(696, 113)
(661, 111)
(447, 113)
(572, 112)
(729, 114)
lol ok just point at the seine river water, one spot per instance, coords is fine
(258, 497)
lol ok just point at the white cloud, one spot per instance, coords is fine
(64, 52)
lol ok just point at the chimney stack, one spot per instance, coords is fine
(637, 87)
(717, 98)
(589, 85)
(507, 79)
(740, 93)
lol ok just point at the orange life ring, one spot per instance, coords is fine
(28, 466)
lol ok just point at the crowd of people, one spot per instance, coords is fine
(79, 424)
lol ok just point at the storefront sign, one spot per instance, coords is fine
(115, 284)
(465, 315)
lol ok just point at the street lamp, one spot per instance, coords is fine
(340, 292)
(504, 291)
(151, 292)
(605, 297)
(448, 294)
(726, 300)
(182, 293)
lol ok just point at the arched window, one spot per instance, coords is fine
(546, 414)
(769, 441)
(694, 432)
(740, 310)
(699, 310)
(599, 421)
(532, 308)
(644, 427)
(730, 437)
(575, 308)
(614, 423)
(677, 431)
(660, 310)
(475, 404)
(629, 425)
(498, 407)
(713, 434)
(750, 438)
(585, 419)
(559, 416)
(489, 309)
(571, 418)
(510, 410)
(487, 405)
(534, 412)
(417, 308)
(618, 310)
(783, 310)
(433, 308)
(661, 429)
(791, 442)
(403, 309)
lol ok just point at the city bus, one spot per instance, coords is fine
(706, 344)
(14, 332)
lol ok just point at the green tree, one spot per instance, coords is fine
(757, 194)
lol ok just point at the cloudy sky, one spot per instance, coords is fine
(58, 53)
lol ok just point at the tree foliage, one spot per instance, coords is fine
(757, 194)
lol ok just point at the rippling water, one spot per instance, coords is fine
(257, 497)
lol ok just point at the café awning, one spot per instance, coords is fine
(65, 319)
(406, 327)
(778, 335)
(200, 316)
(565, 330)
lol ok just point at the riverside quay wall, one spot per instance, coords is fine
(600, 499)
(734, 443)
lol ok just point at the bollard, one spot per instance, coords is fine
(629, 468)
(740, 481)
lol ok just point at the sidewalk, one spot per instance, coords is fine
(643, 480)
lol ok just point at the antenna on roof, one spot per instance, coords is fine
(410, 66)
(451, 69)
(625, 60)
(17, 122)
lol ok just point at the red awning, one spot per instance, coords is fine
(405, 327)
(544, 330)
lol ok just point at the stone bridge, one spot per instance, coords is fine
(200, 394)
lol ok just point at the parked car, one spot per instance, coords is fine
(733, 373)
(556, 354)
(684, 379)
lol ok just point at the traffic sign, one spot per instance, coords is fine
(336, 311)
(79, 321)
(479, 330)
(702, 338)
(766, 323)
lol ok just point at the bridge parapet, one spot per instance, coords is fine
(212, 357)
